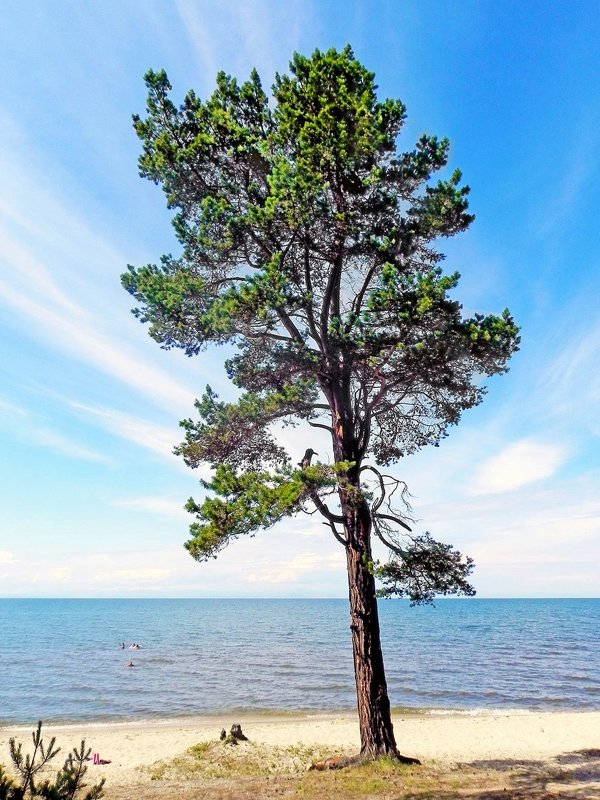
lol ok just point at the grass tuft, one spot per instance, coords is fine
(215, 760)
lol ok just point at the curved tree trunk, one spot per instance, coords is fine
(376, 729)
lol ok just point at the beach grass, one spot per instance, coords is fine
(213, 771)
(377, 781)
(214, 759)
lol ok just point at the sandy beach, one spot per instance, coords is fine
(442, 740)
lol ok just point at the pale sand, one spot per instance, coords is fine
(443, 738)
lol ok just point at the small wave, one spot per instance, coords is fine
(478, 712)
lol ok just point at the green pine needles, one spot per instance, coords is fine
(68, 783)
(310, 242)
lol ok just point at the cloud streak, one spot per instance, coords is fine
(41, 294)
(517, 465)
(23, 427)
(159, 439)
(294, 570)
(161, 506)
(236, 37)
(86, 343)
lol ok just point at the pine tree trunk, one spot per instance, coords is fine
(374, 714)
(376, 729)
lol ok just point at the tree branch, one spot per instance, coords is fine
(331, 291)
(341, 539)
(357, 303)
(393, 547)
(377, 503)
(397, 520)
(309, 288)
(320, 425)
(324, 510)
(287, 323)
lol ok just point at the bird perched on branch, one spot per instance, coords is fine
(306, 458)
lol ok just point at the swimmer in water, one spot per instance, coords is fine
(131, 664)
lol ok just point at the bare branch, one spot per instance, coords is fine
(397, 520)
(393, 547)
(329, 515)
(288, 324)
(320, 425)
(341, 539)
(377, 503)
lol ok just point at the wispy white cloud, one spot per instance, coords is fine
(235, 36)
(296, 568)
(202, 36)
(88, 344)
(95, 572)
(539, 539)
(155, 505)
(569, 386)
(49, 438)
(45, 218)
(9, 410)
(30, 273)
(576, 171)
(58, 270)
(135, 577)
(159, 439)
(271, 32)
(525, 542)
(26, 427)
(52, 264)
(534, 523)
(518, 464)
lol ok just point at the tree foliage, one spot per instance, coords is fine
(310, 243)
(69, 781)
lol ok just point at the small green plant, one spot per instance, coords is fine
(68, 784)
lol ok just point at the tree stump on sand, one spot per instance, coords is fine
(236, 732)
(235, 736)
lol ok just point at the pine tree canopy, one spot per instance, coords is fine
(310, 243)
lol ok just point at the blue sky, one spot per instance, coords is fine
(90, 495)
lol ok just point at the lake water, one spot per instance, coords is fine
(60, 659)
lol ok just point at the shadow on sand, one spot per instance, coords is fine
(571, 776)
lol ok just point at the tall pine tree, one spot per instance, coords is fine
(310, 243)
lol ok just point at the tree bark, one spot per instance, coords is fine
(374, 714)
(376, 729)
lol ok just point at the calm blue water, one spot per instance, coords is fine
(60, 660)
